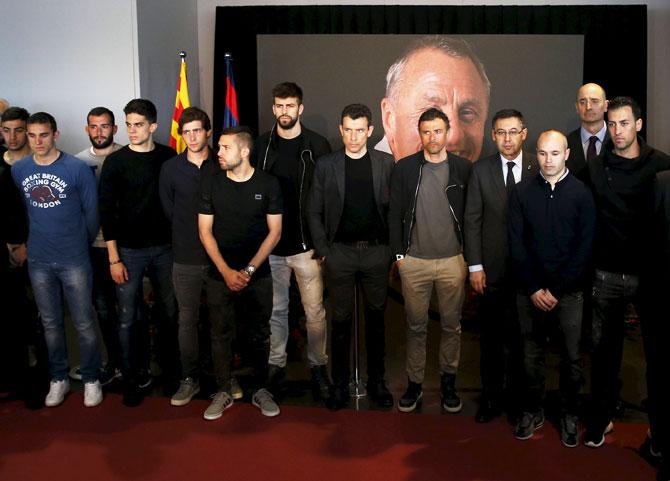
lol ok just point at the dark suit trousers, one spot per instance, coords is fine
(501, 361)
(345, 266)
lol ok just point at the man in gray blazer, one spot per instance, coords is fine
(487, 254)
(347, 215)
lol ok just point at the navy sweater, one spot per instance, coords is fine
(551, 234)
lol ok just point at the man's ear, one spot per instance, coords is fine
(388, 122)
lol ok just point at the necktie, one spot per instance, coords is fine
(509, 179)
(591, 152)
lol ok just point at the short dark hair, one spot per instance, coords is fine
(15, 113)
(243, 133)
(99, 112)
(507, 114)
(621, 102)
(357, 111)
(43, 118)
(285, 90)
(432, 114)
(191, 114)
(142, 107)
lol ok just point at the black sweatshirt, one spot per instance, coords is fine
(130, 207)
(551, 234)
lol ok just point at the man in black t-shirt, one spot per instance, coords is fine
(137, 234)
(240, 222)
(347, 217)
(289, 152)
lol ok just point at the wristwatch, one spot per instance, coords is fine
(249, 270)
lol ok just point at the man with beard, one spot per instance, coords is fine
(425, 218)
(240, 222)
(289, 151)
(101, 128)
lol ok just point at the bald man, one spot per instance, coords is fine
(551, 226)
(586, 142)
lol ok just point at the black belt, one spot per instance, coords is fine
(363, 244)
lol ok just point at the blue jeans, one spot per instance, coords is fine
(50, 281)
(158, 261)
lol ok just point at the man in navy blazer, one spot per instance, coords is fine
(347, 215)
(487, 254)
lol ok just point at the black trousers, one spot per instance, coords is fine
(252, 307)
(346, 265)
(501, 359)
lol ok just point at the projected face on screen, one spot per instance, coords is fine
(445, 75)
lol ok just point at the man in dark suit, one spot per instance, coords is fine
(347, 217)
(586, 142)
(487, 254)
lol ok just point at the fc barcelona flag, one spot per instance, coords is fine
(181, 102)
(231, 117)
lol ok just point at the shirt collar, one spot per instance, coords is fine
(586, 135)
(517, 161)
(565, 174)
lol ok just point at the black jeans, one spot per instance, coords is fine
(501, 359)
(535, 326)
(611, 294)
(346, 265)
(252, 307)
(104, 301)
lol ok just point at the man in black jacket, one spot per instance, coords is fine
(289, 152)
(493, 178)
(347, 216)
(551, 225)
(622, 183)
(425, 219)
(587, 141)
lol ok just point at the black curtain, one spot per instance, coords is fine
(615, 38)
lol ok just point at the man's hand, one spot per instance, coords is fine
(543, 300)
(19, 254)
(478, 281)
(119, 272)
(235, 280)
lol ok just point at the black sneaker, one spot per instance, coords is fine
(132, 394)
(594, 438)
(451, 401)
(487, 411)
(569, 431)
(321, 385)
(379, 393)
(650, 453)
(411, 399)
(528, 424)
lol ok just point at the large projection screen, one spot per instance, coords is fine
(535, 74)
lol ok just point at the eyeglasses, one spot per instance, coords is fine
(504, 133)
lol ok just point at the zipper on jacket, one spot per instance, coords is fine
(302, 181)
(453, 214)
(411, 222)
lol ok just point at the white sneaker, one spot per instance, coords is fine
(92, 394)
(57, 392)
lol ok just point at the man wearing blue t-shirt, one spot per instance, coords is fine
(59, 192)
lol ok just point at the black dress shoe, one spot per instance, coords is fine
(338, 398)
(132, 394)
(380, 394)
(321, 385)
(487, 411)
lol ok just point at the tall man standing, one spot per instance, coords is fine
(101, 128)
(289, 151)
(137, 234)
(180, 195)
(551, 225)
(622, 181)
(587, 141)
(425, 218)
(240, 222)
(493, 178)
(61, 201)
(348, 219)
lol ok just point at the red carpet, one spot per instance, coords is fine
(160, 442)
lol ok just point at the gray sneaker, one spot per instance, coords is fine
(235, 389)
(187, 389)
(262, 399)
(220, 402)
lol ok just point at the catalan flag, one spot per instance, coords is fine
(231, 117)
(180, 103)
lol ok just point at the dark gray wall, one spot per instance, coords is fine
(165, 28)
